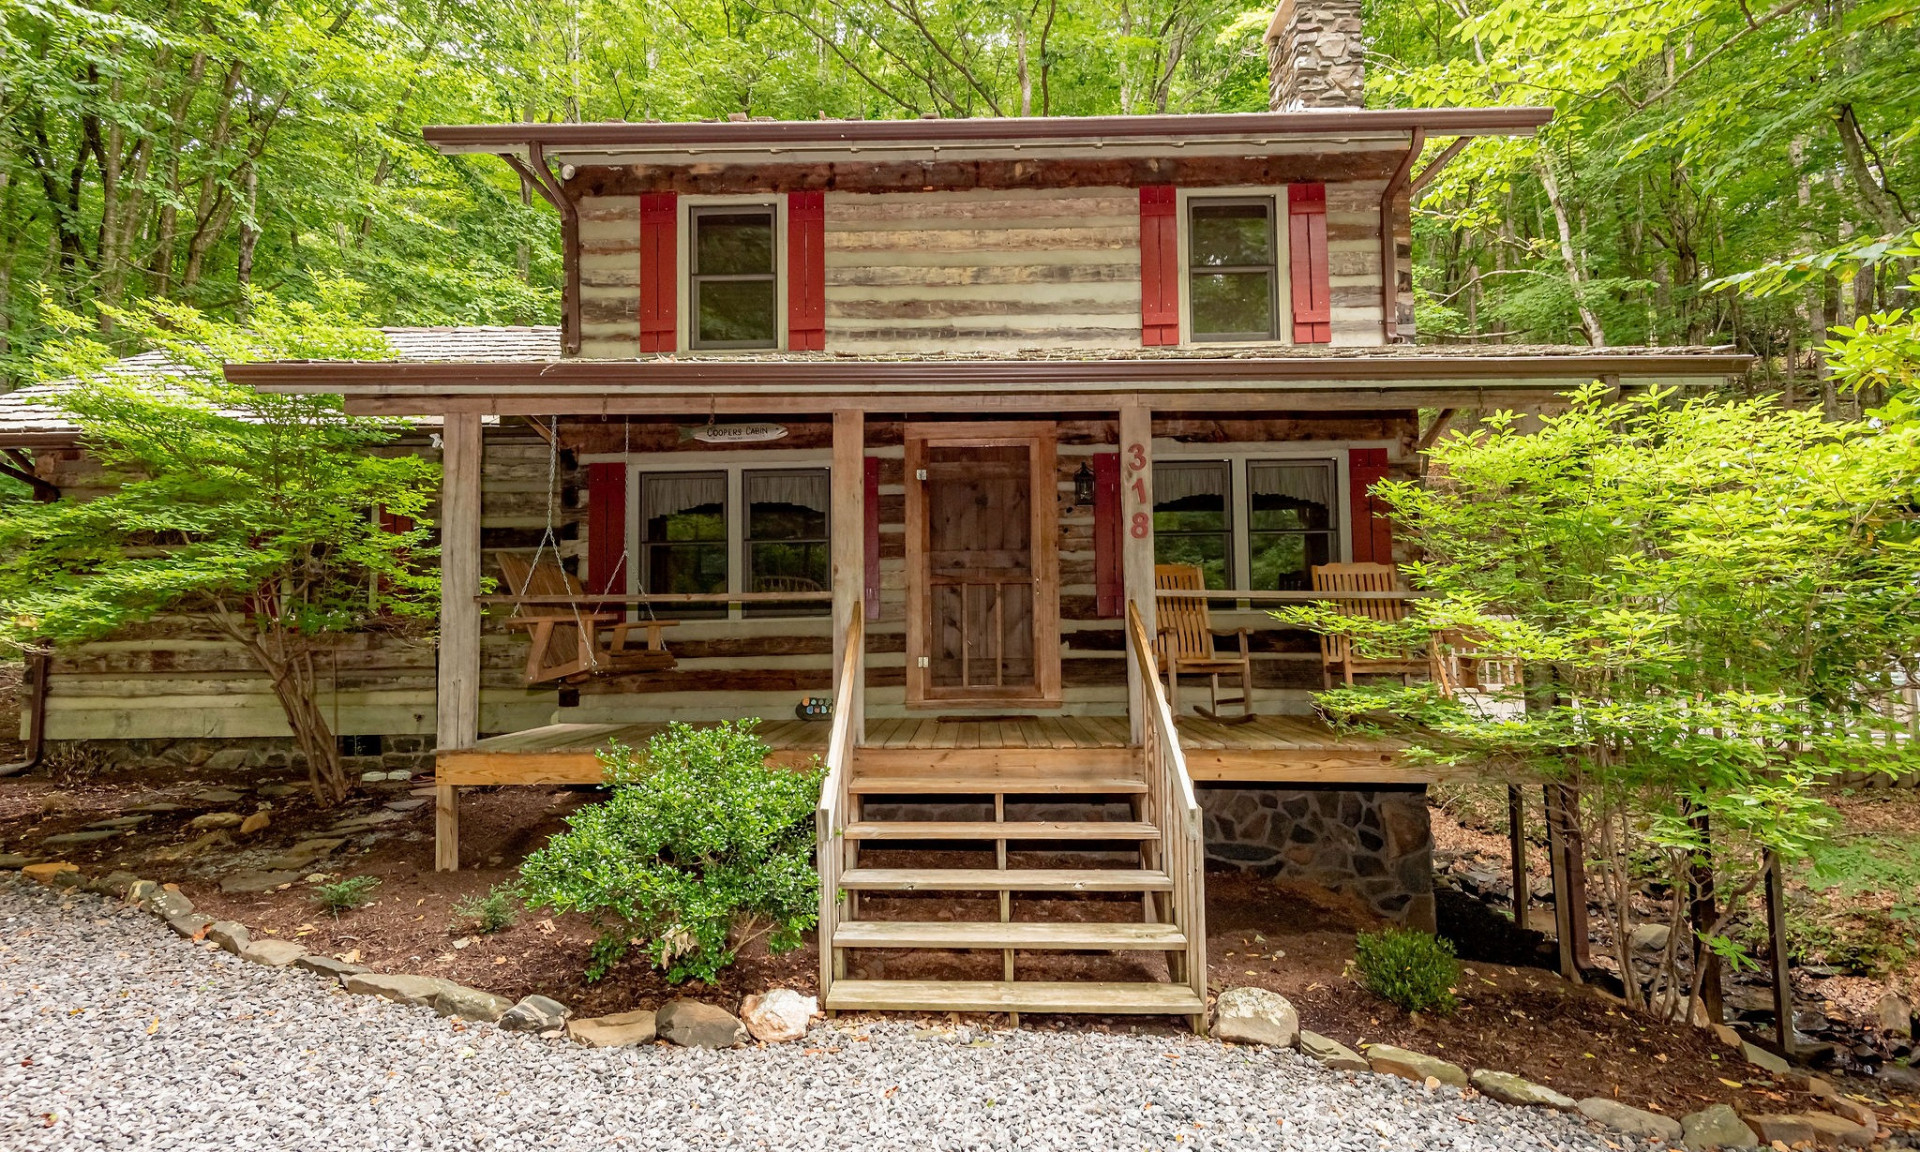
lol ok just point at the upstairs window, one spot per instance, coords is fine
(732, 278)
(1231, 276)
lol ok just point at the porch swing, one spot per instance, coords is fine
(581, 640)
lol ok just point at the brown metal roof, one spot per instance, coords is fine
(995, 130)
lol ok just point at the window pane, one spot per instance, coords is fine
(1284, 561)
(733, 244)
(787, 505)
(1232, 303)
(734, 312)
(1226, 235)
(1191, 521)
(1208, 553)
(1294, 497)
(783, 567)
(687, 568)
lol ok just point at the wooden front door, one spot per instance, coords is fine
(983, 588)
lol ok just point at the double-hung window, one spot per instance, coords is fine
(731, 278)
(1193, 517)
(1291, 524)
(1247, 522)
(1232, 278)
(693, 537)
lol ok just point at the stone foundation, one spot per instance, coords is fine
(410, 753)
(1373, 844)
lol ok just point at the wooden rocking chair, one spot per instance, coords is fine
(1186, 642)
(566, 642)
(1338, 651)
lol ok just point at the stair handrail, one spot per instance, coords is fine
(829, 818)
(1183, 849)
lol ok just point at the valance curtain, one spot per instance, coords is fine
(807, 489)
(666, 495)
(1305, 483)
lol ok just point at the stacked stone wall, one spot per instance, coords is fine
(1315, 57)
(1375, 845)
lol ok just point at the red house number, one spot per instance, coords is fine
(1140, 524)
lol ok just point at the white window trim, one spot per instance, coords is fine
(683, 287)
(1282, 262)
(733, 464)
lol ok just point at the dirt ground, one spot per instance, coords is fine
(1295, 941)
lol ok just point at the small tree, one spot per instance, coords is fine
(255, 514)
(1712, 602)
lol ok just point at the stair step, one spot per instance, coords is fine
(1134, 998)
(1011, 785)
(1006, 879)
(1001, 830)
(1062, 936)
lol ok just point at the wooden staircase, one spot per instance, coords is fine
(873, 912)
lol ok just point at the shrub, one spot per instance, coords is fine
(487, 912)
(1415, 970)
(700, 848)
(345, 895)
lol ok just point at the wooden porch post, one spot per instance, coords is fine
(457, 703)
(1136, 534)
(849, 548)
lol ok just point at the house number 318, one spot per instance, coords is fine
(1140, 524)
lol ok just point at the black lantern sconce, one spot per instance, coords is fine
(1083, 486)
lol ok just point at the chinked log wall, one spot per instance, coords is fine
(989, 271)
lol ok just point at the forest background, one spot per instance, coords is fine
(196, 150)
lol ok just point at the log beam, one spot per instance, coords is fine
(849, 556)
(1136, 532)
(457, 708)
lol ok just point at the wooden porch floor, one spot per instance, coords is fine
(1277, 749)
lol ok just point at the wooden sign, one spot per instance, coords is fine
(737, 433)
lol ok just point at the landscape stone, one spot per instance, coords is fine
(1414, 1066)
(1331, 1053)
(1255, 1016)
(1830, 1131)
(778, 1015)
(251, 881)
(66, 839)
(328, 966)
(158, 807)
(535, 1014)
(404, 989)
(165, 903)
(1650, 937)
(119, 823)
(1851, 1109)
(1716, 1127)
(217, 838)
(1510, 1089)
(1781, 1127)
(1895, 1015)
(255, 823)
(1727, 1036)
(1761, 1058)
(72, 878)
(470, 1003)
(216, 796)
(272, 953)
(692, 1024)
(408, 805)
(141, 891)
(229, 935)
(13, 861)
(227, 760)
(1633, 1121)
(191, 925)
(211, 821)
(615, 1031)
(277, 791)
(304, 853)
(45, 872)
(113, 884)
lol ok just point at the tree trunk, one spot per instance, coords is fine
(288, 663)
(1569, 257)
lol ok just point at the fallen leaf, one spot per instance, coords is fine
(1730, 1083)
(546, 927)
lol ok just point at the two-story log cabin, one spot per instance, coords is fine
(902, 415)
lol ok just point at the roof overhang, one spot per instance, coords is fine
(1038, 137)
(698, 386)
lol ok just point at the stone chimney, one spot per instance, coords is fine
(1314, 55)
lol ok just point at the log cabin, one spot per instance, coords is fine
(877, 431)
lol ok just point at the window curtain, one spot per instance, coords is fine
(665, 495)
(1174, 482)
(800, 489)
(1303, 483)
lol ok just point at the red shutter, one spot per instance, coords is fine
(1159, 266)
(1372, 531)
(1109, 588)
(870, 502)
(1307, 235)
(659, 280)
(606, 528)
(394, 522)
(806, 271)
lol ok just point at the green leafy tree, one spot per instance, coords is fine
(701, 848)
(1713, 603)
(255, 515)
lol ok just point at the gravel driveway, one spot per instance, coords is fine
(116, 1034)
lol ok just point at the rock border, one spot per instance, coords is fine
(540, 1015)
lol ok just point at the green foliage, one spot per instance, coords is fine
(345, 895)
(701, 847)
(490, 911)
(1414, 970)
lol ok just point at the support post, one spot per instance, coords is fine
(1567, 854)
(1517, 853)
(1777, 955)
(849, 554)
(1704, 910)
(1136, 539)
(457, 702)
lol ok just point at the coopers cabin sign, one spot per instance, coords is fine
(735, 433)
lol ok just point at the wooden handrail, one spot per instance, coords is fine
(664, 598)
(1182, 845)
(829, 818)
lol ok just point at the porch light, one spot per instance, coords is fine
(1083, 486)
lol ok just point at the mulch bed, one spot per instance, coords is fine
(1296, 941)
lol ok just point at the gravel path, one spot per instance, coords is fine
(116, 1034)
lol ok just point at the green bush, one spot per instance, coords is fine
(700, 848)
(345, 895)
(1415, 970)
(487, 912)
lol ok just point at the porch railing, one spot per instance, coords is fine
(1182, 848)
(830, 818)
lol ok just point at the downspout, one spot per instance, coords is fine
(40, 669)
(534, 171)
